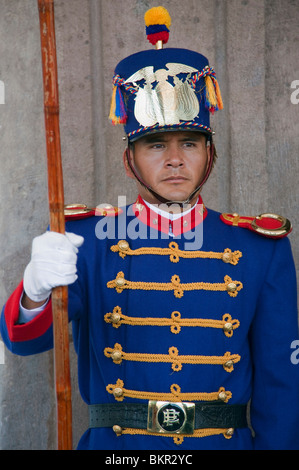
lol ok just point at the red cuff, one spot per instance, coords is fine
(28, 331)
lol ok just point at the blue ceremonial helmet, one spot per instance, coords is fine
(163, 89)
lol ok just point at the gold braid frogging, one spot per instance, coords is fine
(229, 286)
(175, 395)
(179, 438)
(118, 355)
(176, 322)
(228, 256)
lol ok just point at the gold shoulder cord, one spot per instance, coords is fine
(176, 322)
(174, 253)
(229, 286)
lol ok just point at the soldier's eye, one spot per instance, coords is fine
(157, 146)
(189, 144)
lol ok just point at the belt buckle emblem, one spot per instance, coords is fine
(167, 417)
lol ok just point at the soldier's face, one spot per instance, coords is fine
(172, 163)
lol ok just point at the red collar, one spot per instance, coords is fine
(163, 224)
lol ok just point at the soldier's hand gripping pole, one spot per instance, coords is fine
(57, 220)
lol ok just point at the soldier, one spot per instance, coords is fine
(181, 316)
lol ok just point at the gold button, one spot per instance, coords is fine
(185, 223)
(117, 429)
(229, 364)
(228, 327)
(123, 245)
(116, 355)
(118, 392)
(222, 396)
(115, 317)
(231, 287)
(155, 221)
(227, 257)
(120, 281)
(230, 432)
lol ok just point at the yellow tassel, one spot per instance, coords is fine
(210, 92)
(218, 95)
(157, 15)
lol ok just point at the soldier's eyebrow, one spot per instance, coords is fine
(194, 136)
(149, 139)
(156, 138)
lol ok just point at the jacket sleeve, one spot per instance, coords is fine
(30, 338)
(36, 336)
(275, 397)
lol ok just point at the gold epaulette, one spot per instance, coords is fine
(268, 225)
(82, 211)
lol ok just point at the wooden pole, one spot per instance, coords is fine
(57, 221)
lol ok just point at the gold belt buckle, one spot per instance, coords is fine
(167, 417)
(282, 230)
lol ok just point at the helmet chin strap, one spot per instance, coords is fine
(161, 198)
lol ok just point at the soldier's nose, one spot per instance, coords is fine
(174, 158)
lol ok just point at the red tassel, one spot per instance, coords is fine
(161, 36)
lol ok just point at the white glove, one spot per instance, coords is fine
(53, 263)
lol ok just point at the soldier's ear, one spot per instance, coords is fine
(128, 154)
(209, 152)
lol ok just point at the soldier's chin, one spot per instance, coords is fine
(176, 196)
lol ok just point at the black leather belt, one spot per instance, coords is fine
(167, 416)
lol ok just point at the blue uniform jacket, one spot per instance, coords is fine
(154, 320)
